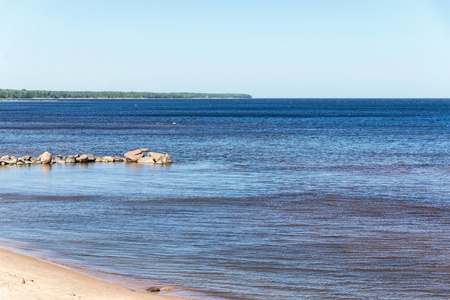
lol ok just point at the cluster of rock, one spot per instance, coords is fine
(134, 156)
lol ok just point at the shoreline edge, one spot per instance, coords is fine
(26, 277)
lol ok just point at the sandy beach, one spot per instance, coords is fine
(23, 277)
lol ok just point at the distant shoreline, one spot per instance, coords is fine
(57, 99)
(44, 94)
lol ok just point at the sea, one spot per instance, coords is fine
(265, 199)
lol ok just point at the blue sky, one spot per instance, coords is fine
(310, 48)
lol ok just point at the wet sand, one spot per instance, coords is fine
(24, 277)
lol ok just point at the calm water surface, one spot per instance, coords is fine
(267, 198)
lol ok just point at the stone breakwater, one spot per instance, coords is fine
(134, 156)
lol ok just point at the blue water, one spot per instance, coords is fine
(266, 199)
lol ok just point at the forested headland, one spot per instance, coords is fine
(42, 94)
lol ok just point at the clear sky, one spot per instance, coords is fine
(277, 48)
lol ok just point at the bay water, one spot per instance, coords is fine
(266, 198)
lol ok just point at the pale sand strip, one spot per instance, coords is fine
(23, 277)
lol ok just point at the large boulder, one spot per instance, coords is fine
(45, 157)
(134, 155)
(146, 160)
(157, 157)
(160, 158)
(5, 158)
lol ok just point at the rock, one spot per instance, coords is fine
(107, 159)
(146, 160)
(137, 155)
(167, 288)
(70, 159)
(153, 289)
(83, 158)
(133, 156)
(59, 160)
(167, 159)
(45, 157)
(157, 157)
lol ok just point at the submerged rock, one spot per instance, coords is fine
(146, 160)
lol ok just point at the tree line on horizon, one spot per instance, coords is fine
(43, 94)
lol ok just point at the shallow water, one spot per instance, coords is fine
(267, 198)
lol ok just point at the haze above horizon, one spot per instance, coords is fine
(304, 49)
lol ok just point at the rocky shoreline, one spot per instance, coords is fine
(134, 156)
